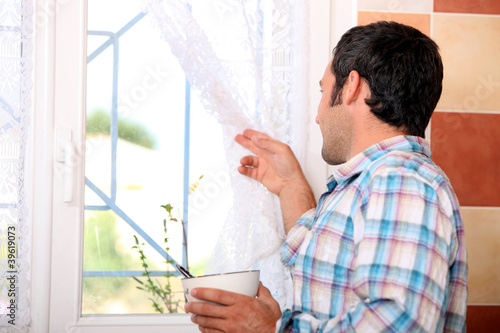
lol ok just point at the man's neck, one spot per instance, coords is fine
(371, 135)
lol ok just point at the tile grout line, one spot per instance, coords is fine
(468, 111)
(491, 208)
(384, 11)
(468, 14)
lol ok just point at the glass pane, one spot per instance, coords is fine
(135, 165)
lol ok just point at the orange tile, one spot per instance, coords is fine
(420, 21)
(467, 6)
(470, 48)
(482, 233)
(466, 147)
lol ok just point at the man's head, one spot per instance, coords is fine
(402, 67)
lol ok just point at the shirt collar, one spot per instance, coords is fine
(362, 160)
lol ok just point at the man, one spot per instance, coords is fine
(384, 249)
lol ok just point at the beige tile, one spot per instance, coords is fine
(421, 22)
(422, 6)
(470, 47)
(482, 233)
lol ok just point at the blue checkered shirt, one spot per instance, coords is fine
(384, 250)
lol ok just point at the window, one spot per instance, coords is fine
(62, 197)
(148, 143)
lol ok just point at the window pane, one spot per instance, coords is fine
(135, 164)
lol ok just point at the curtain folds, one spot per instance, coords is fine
(16, 48)
(247, 62)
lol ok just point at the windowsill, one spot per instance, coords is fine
(136, 320)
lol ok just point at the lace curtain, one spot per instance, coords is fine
(16, 32)
(247, 62)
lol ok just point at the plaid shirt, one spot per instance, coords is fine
(383, 251)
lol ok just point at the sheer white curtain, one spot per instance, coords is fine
(16, 31)
(247, 62)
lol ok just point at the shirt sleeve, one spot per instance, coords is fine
(295, 237)
(401, 267)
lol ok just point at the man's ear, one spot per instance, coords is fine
(352, 87)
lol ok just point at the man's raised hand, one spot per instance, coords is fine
(277, 168)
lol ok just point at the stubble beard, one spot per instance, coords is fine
(337, 144)
(332, 155)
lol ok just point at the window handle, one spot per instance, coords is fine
(65, 155)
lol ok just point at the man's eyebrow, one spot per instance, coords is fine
(320, 83)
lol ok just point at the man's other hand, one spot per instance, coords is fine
(236, 312)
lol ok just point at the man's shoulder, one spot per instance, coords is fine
(406, 164)
(405, 171)
(409, 172)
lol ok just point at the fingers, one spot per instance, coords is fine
(218, 296)
(251, 133)
(205, 309)
(271, 146)
(247, 143)
(243, 140)
(250, 161)
(249, 138)
(249, 165)
(207, 324)
(212, 317)
(262, 145)
(208, 330)
(249, 172)
(263, 291)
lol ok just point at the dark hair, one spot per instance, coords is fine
(403, 69)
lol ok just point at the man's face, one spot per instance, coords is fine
(334, 122)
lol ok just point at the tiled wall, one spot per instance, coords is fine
(465, 129)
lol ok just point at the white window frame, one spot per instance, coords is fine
(59, 110)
